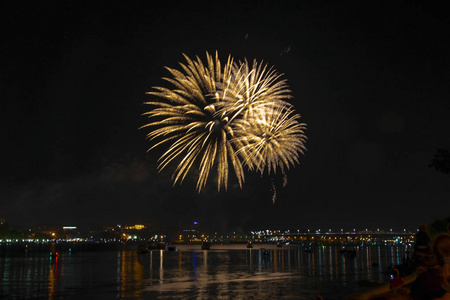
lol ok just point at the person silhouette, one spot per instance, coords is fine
(434, 282)
(422, 248)
(395, 281)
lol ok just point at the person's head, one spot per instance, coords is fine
(423, 228)
(395, 273)
(441, 249)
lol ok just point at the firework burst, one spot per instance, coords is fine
(224, 117)
(187, 118)
(273, 138)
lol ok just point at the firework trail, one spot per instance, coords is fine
(274, 191)
(285, 180)
(224, 117)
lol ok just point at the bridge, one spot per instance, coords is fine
(334, 237)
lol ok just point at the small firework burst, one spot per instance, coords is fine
(274, 138)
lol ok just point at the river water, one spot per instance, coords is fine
(223, 272)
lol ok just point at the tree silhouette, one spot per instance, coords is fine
(438, 226)
(441, 161)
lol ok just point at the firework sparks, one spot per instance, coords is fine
(188, 118)
(274, 138)
(274, 191)
(223, 118)
(251, 87)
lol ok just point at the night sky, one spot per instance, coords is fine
(370, 78)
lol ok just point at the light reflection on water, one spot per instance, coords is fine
(224, 272)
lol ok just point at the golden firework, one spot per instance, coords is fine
(220, 118)
(253, 86)
(187, 117)
(273, 138)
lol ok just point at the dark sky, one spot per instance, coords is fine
(370, 78)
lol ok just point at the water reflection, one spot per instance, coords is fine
(52, 276)
(131, 275)
(229, 272)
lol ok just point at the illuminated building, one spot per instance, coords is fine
(135, 227)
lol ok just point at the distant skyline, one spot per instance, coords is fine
(197, 226)
(370, 79)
